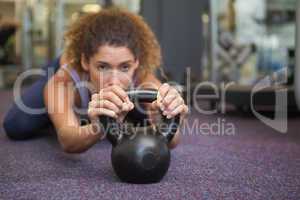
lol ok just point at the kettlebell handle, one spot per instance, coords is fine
(167, 128)
(143, 96)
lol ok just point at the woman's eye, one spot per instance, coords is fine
(103, 67)
(125, 68)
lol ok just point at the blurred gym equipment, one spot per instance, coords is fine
(297, 71)
(249, 47)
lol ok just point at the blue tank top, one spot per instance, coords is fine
(79, 85)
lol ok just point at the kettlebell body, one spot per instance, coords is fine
(140, 155)
(143, 158)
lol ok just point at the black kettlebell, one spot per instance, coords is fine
(140, 154)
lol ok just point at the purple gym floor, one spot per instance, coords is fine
(255, 163)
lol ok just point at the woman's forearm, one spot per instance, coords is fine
(79, 139)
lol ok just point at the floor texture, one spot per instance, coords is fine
(247, 161)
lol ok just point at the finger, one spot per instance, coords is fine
(181, 109)
(162, 91)
(95, 97)
(131, 105)
(94, 112)
(170, 97)
(111, 96)
(154, 105)
(105, 104)
(127, 106)
(153, 108)
(120, 92)
(174, 104)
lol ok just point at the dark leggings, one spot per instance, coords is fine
(20, 125)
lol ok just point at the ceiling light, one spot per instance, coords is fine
(91, 8)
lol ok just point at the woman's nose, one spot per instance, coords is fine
(114, 79)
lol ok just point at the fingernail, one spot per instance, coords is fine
(124, 106)
(169, 116)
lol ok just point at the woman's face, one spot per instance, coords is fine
(111, 66)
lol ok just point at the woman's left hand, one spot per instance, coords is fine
(170, 102)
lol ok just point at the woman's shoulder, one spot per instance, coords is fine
(64, 72)
(61, 79)
(59, 86)
(61, 76)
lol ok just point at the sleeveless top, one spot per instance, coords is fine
(81, 85)
(83, 92)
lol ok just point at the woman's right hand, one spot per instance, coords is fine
(111, 101)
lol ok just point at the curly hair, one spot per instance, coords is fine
(114, 27)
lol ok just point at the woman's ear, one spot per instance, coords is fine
(136, 63)
(84, 63)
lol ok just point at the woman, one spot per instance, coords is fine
(106, 53)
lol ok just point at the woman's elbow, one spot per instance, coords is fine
(68, 145)
(72, 149)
